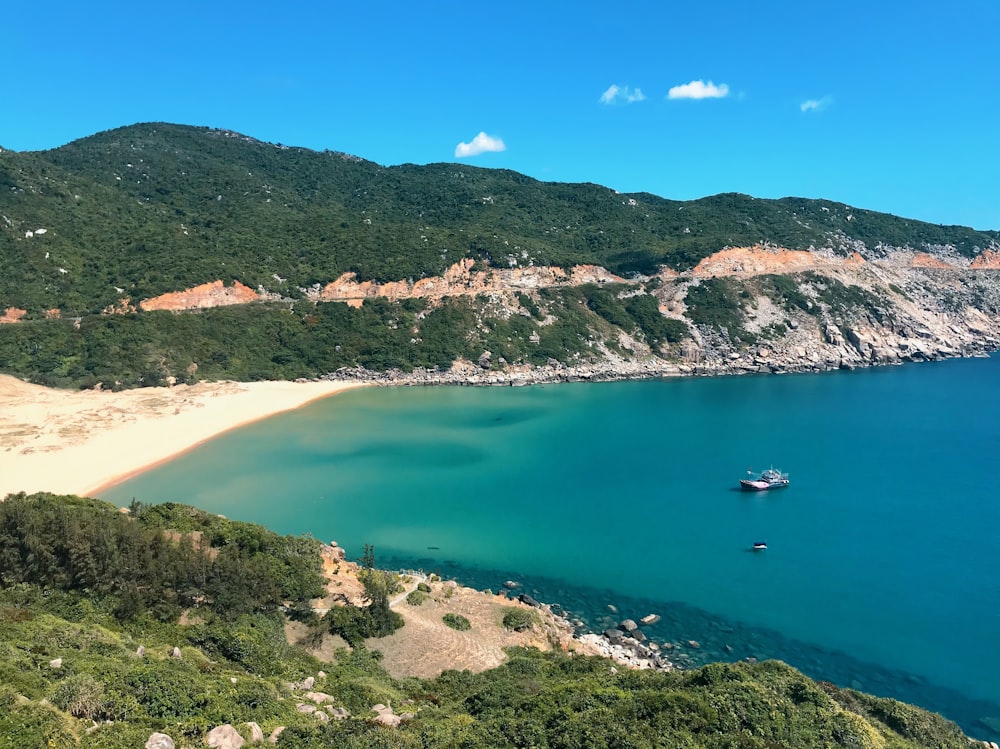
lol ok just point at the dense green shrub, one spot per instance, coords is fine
(457, 621)
(416, 597)
(645, 310)
(518, 619)
(82, 696)
(714, 302)
(136, 563)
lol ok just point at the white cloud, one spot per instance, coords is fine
(815, 105)
(699, 90)
(482, 143)
(622, 93)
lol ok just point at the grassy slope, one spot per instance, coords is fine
(236, 668)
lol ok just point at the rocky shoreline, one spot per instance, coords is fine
(761, 360)
(625, 644)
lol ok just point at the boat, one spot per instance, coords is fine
(759, 545)
(769, 479)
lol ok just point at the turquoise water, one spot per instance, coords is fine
(883, 554)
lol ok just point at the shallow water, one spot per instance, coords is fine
(882, 559)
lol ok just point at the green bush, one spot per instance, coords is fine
(518, 619)
(457, 621)
(416, 597)
(423, 587)
(82, 696)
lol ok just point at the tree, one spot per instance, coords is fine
(378, 584)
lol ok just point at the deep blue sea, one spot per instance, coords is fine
(883, 564)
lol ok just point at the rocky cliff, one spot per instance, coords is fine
(786, 310)
(894, 306)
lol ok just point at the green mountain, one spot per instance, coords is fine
(156, 208)
(130, 214)
(167, 620)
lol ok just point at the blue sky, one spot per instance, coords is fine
(886, 105)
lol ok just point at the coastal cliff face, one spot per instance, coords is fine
(833, 311)
(890, 307)
(754, 309)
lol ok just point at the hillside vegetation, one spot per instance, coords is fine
(90, 657)
(91, 229)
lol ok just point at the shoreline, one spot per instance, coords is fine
(466, 374)
(83, 442)
(223, 406)
(87, 441)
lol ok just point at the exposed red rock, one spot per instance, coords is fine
(986, 260)
(925, 260)
(854, 260)
(12, 314)
(755, 260)
(53, 314)
(206, 295)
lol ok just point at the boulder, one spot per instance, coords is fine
(628, 626)
(256, 734)
(159, 741)
(140, 651)
(318, 697)
(650, 619)
(385, 716)
(339, 713)
(273, 738)
(224, 737)
(525, 598)
(307, 709)
(308, 683)
(55, 663)
(175, 653)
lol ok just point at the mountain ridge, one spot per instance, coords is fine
(109, 224)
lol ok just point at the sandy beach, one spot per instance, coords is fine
(79, 442)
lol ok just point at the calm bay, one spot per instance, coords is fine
(883, 563)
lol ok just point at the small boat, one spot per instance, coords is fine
(759, 545)
(769, 479)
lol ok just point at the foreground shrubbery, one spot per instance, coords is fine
(68, 660)
(155, 560)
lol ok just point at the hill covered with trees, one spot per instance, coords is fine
(91, 230)
(115, 626)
